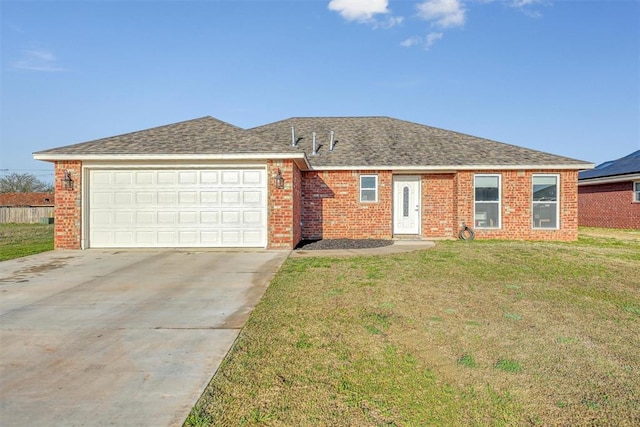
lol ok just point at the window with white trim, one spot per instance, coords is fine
(487, 201)
(368, 188)
(545, 201)
(636, 191)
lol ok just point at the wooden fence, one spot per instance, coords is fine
(25, 215)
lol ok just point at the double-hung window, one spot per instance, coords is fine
(636, 191)
(368, 188)
(545, 201)
(487, 201)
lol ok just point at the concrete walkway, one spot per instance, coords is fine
(398, 246)
(126, 338)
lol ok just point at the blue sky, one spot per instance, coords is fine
(556, 76)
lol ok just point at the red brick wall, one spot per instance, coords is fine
(331, 206)
(67, 213)
(325, 204)
(608, 205)
(517, 205)
(283, 206)
(439, 205)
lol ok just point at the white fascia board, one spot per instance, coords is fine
(444, 169)
(165, 157)
(609, 179)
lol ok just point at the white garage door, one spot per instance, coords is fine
(177, 208)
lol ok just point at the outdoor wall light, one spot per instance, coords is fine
(67, 182)
(278, 180)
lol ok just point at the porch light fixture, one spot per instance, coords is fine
(67, 182)
(278, 180)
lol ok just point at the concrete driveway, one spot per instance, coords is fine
(107, 337)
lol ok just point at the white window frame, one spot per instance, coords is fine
(375, 188)
(636, 191)
(498, 202)
(557, 202)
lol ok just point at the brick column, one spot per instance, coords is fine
(68, 210)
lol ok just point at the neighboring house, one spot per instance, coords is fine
(26, 207)
(609, 195)
(206, 183)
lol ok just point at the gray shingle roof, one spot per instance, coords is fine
(359, 141)
(205, 135)
(373, 141)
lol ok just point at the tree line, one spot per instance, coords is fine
(24, 183)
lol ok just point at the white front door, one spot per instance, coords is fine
(406, 204)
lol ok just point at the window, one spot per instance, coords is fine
(545, 201)
(368, 188)
(487, 201)
(636, 191)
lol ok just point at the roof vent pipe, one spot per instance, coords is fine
(331, 142)
(293, 136)
(315, 151)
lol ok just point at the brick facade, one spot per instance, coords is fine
(608, 205)
(331, 206)
(283, 208)
(326, 204)
(68, 210)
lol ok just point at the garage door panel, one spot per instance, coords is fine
(188, 177)
(187, 197)
(252, 178)
(167, 177)
(210, 218)
(99, 199)
(144, 178)
(252, 237)
(209, 177)
(173, 208)
(123, 218)
(123, 238)
(145, 198)
(123, 198)
(165, 217)
(123, 178)
(210, 197)
(230, 177)
(231, 197)
(167, 197)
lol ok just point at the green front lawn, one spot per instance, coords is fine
(18, 240)
(468, 333)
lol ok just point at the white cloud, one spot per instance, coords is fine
(432, 38)
(442, 13)
(37, 60)
(392, 21)
(359, 10)
(425, 42)
(526, 6)
(411, 41)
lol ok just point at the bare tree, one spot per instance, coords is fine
(24, 183)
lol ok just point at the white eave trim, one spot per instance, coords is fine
(452, 168)
(609, 179)
(297, 157)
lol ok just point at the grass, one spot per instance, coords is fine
(18, 240)
(488, 333)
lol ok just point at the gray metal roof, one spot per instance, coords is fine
(359, 141)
